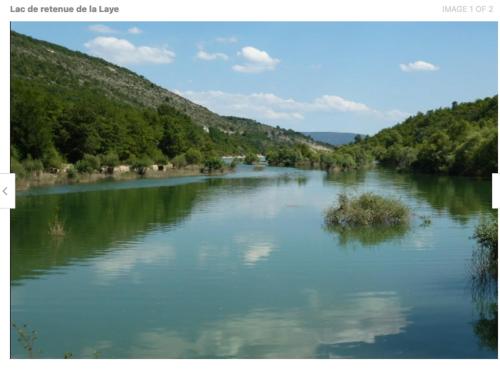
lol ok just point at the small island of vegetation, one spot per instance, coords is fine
(367, 209)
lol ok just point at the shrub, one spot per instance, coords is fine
(88, 164)
(193, 156)
(285, 156)
(83, 166)
(367, 209)
(71, 172)
(33, 165)
(160, 159)
(141, 165)
(213, 163)
(94, 161)
(234, 163)
(179, 161)
(251, 158)
(17, 168)
(52, 161)
(110, 159)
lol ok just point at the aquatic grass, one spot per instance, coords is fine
(368, 209)
(485, 256)
(56, 228)
(485, 281)
(26, 338)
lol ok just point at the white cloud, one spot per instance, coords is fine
(123, 52)
(207, 56)
(257, 105)
(328, 102)
(274, 115)
(256, 61)
(268, 106)
(226, 39)
(396, 114)
(418, 66)
(102, 29)
(134, 30)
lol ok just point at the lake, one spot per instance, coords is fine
(241, 266)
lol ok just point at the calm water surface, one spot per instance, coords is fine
(242, 266)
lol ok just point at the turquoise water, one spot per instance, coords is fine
(241, 266)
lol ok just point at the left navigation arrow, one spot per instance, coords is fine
(7, 190)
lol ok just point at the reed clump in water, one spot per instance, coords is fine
(368, 209)
(26, 338)
(56, 228)
(485, 257)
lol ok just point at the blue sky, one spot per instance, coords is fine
(350, 77)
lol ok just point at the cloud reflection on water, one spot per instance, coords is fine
(129, 261)
(264, 333)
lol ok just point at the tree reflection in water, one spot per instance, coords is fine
(460, 197)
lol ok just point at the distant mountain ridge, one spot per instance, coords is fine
(332, 138)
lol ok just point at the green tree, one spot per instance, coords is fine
(251, 158)
(193, 156)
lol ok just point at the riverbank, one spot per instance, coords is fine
(119, 173)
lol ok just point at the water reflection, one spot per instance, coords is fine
(345, 179)
(298, 177)
(262, 333)
(256, 248)
(237, 267)
(123, 262)
(367, 235)
(257, 252)
(460, 197)
(486, 327)
(96, 222)
(485, 298)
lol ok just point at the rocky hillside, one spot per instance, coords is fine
(54, 68)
